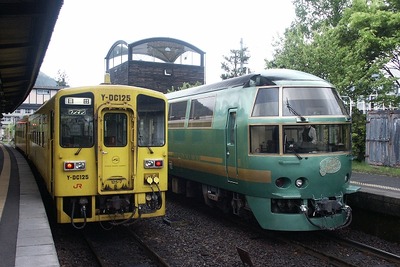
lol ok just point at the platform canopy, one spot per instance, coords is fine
(25, 31)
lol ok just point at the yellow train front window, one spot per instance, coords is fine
(76, 120)
(151, 121)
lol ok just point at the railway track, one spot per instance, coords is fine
(368, 249)
(325, 246)
(329, 247)
(192, 236)
(127, 248)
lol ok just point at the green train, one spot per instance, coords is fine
(275, 144)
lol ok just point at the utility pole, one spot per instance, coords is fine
(241, 55)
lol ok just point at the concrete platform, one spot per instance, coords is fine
(25, 234)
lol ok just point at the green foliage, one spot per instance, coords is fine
(353, 45)
(371, 169)
(184, 86)
(313, 15)
(358, 135)
(234, 63)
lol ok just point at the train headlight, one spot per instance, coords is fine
(75, 165)
(149, 180)
(299, 182)
(153, 163)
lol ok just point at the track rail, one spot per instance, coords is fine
(129, 238)
(367, 249)
(95, 253)
(370, 252)
(152, 253)
(313, 249)
(326, 257)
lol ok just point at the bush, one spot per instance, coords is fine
(358, 134)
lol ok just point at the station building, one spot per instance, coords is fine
(157, 63)
(44, 88)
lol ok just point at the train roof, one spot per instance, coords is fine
(267, 77)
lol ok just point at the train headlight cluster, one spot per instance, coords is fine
(151, 178)
(284, 182)
(75, 165)
(153, 163)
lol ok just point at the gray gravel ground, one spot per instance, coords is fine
(198, 238)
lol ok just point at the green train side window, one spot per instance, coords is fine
(202, 112)
(177, 114)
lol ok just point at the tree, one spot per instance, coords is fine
(356, 47)
(62, 79)
(347, 46)
(234, 63)
(184, 86)
(369, 33)
(313, 15)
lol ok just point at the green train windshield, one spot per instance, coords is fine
(311, 102)
(298, 101)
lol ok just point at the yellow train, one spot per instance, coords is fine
(102, 152)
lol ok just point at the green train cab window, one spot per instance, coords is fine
(266, 103)
(317, 138)
(115, 129)
(76, 120)
(151, 115)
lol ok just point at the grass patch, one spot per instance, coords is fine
(372, 169)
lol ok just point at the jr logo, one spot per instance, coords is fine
(76, 186)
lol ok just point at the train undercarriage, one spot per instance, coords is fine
(116, 209)
(314, 212)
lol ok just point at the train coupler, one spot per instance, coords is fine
(327, 208)
(115, 204)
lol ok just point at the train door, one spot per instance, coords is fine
(115, 156)
(231, 147)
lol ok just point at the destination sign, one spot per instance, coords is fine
(78, 101)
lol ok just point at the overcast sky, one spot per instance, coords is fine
(86, 30)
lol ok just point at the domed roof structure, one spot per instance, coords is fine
(158, 63)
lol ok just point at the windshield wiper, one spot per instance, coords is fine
(141, 143)
(78, 151)
(292, 149)
(294, 111)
